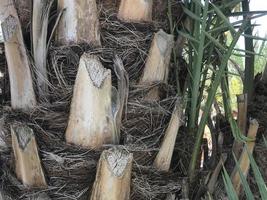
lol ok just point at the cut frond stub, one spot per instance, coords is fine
(214, 177)
(164, 156)
(157, 64)
(91, 122)
(113, 178)
(79, 23)
(244, 162)
(22, 93)
(242, 104)
(135, 11)
(27, 161)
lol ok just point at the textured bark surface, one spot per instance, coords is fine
(164, 156)
(113, 178)
(79, 23)
(135, 10)
(91, 122)
(244, 159)
(22, 93)
(27, 161)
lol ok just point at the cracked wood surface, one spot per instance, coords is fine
(113, 176)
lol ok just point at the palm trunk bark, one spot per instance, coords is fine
(250, 57)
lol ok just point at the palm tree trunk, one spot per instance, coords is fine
(250, 58)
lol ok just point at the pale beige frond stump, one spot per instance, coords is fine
(79, 23)
(163, 159)
(157, 64)
(113, 178)
(135, 10)
(242, 105)
(22, 93)
(244, 161)
(27, 161)
(91, 123)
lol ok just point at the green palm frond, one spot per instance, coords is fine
(229, 186)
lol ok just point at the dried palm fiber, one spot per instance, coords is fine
(24, 12)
